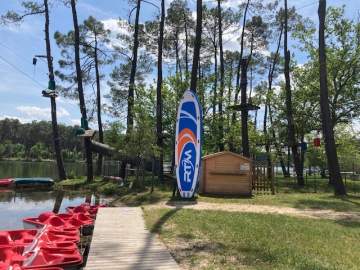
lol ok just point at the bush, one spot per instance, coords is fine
(108, 189)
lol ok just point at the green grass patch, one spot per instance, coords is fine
(324, 201)
(143, 196)
(97, 185)
(221, 240)
(290, 195)
(72, 182)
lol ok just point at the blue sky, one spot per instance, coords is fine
(20, 94)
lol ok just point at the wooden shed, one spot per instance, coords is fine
(226, 173)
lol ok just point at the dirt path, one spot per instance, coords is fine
(265, 209)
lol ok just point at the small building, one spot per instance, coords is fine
(226, 173)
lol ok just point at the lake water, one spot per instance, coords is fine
(14, 206)
(38, 169)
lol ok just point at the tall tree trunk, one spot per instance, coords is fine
(178, 63)
(81, 90)
(130, 114)
(98, 105)
(267, 102)
(214, 100)
(244, 112)
(159, 106)
(237, 87)
(327, 126)
(186, 47)
(222, 81)
(229, 93)
(197, 46)
(55, 128)
(289, 111)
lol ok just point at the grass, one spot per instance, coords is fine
(143, 196)
(289, 194)
(97, 185)
(221, 240)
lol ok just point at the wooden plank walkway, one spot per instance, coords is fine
(121, 241)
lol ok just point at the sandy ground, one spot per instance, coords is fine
(264, 209)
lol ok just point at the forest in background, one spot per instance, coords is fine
(33, 141)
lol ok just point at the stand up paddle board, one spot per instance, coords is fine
(188, 144)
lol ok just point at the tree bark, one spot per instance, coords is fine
(81, 90)
(130, 116)
(197, 46)
(327, 125)
(98, 103)
(55, 128)
(229, 94)
(289, 111)
(214, 100)
(222, 81)
(237, 87)
(159, 110)
(186, 47)
(178, 63)
(244, 112)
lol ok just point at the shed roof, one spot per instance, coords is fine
(226, 153)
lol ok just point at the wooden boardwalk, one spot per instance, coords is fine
(121, 241)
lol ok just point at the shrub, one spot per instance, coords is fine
(108, 189)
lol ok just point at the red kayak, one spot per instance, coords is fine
(84, 208)
(71, 223)
(84, 219)
(6, 182)
(40, 258)
(45, 237)
(18, 267)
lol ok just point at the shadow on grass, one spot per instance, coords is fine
(156, 228)
(348, 223)
(351, 198)
(136, 199)
(331, 202)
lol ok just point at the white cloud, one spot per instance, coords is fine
(22, 120)
(37, 113)
(94, 10)
(117, 27)
(32, 28)
(75, 122)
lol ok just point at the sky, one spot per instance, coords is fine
(22, 83)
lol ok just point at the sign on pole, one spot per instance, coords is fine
(188, 144)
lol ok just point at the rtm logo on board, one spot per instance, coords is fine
(188, 166)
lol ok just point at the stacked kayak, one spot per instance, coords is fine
(52, 244)
(6, 182)
(39, 249)
(84, 208)
(62, 222)
(33, 182)
(41, 258)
